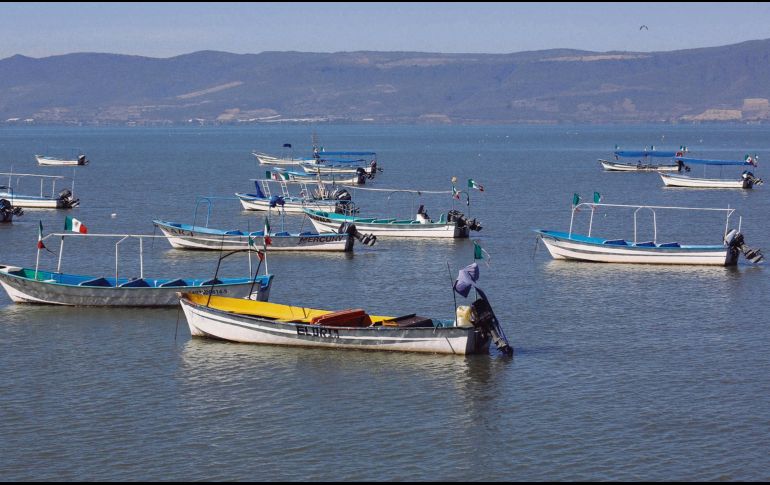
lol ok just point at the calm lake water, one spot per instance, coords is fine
(621, 372)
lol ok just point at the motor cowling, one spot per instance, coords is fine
(750, 180)
(66, 199)
(348, 228)
(484, 319)
(461, 221)
(736, 242)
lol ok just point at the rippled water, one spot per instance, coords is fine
(621, 372)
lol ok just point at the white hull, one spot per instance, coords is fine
(208, 322)
(265, 159)
(396, 230)
(634, 167)
(41, 160)
(685, 181)
(29, 291)
(188, 239)
(290, 207)
(32, 202)
(576, 250)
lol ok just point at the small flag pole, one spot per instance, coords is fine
(61, 251)
(454, 297)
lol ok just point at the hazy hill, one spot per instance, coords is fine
(720, 83)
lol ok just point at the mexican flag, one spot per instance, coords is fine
(473, 185)
(74, 225)
(40, 244)
(268, 239)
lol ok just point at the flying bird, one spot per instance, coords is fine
(643, 27)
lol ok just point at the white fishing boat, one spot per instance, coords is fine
(33, 285)
(644, 161)
(452, 224)
(327, 166)
(585, 247)
(185, 236)
(54, 161)
(746, 180)
(320, 197)
(64, 199)
(282, 174)
(274, 324)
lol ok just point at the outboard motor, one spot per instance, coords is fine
(345, 207)
(361, 176)
(7, 211)
(82, 160)
(373, 169)
(735, 241)
(461, 221)
(66, 199)
(749, 180)
(483, 318)
(276, 200)
(340, 194)
(367, 239)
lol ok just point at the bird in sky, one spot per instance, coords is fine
(643, 27)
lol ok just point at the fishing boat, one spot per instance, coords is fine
(746, 180)
(202, 237)
(185, 236)
(33, 285)
(452, 224)
(54, 161)
(275, 324)
(285, 158)
(322, 198)
(585, 247)
(63, 200)
(644, 161)
(340, 166)
(279, 173)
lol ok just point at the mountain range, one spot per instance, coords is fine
(729, 83)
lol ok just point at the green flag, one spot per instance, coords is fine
(575, 199)
(597, 197)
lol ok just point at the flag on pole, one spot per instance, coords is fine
(40, 244)
(575, 199)
(268, 239)
(473, 185)
(74, 225)
(597, 197)
(750, 160)
(480, 253)
(455, 193)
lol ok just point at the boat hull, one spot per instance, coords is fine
(265, 159)
(703, 183)
(209, 322)
(34, 202)
(637, 167)
(438, 230)
(189, 238)
(41, 160)
(561, 247)
(252, 203)
(29, 290)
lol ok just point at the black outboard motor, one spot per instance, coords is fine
(367, 239)
(749, 180)
(345, 207)
(483, 318)
(735, 241)
(82, 160)
(361, 176)
(65, 197)
(7, 211)
(462, 221)
(340, 194)
(373, 169)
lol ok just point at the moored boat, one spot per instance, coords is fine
(585, 247)
(245, 321)
(64, 199)
(644, 162)
(746, 180)
(54, 161)
(34, 285)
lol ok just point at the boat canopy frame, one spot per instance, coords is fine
(593, 205)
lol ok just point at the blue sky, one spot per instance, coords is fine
(169, 29)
